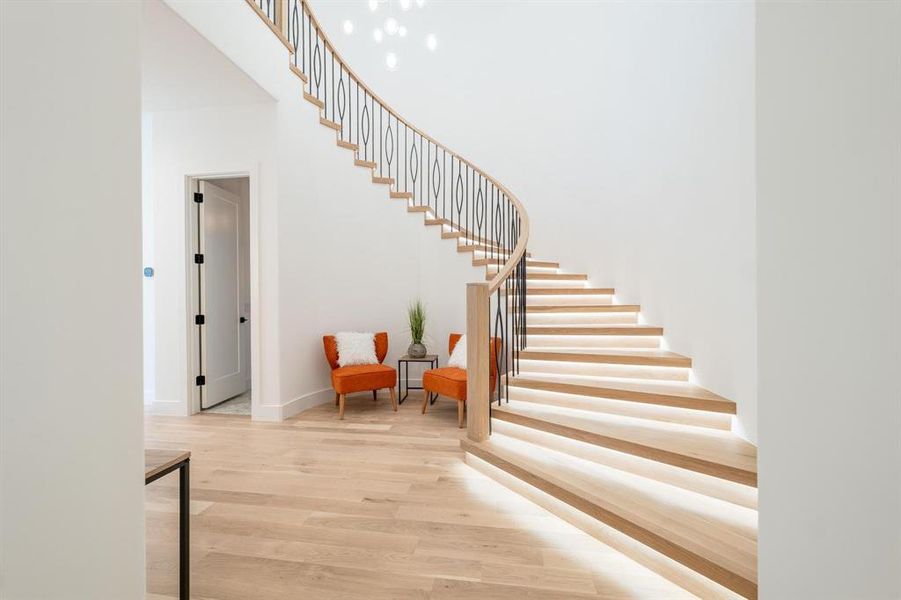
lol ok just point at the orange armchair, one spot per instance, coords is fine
(360, 378)
(451, 381)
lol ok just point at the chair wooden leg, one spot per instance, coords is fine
(374, 397)
(341, 406)
(393, 398)
(461, 421)
(337, 398)
(425, 401)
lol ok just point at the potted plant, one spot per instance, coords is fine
(416, 315)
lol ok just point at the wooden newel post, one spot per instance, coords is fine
(477, 361)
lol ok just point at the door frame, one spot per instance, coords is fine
(192, 360)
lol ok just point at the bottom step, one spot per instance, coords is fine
(708, 546)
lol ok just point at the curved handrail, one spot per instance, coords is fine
(519, 250)
(500, 223)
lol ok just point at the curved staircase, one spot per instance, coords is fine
(594, 420)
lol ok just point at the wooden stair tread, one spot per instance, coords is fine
(713, 452)
(296, 70)
(310, 98)
(706, 535)
(624, 329)
(348, 145)
(651, 358)
(539, 276)
(665, 393)
(569, 291)
(402, 195)
(588, 308)
(487, 262)
(384, 180)
(558, 276)
(329, 124)
(365, 163)
(419, 209)
(484, 248)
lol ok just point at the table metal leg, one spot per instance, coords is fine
(184, 526)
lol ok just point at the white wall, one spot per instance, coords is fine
(71, 425)
(829, 239)
(207, 142)
(335, 252)
(626, 129)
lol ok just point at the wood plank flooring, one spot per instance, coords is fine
(380, 505)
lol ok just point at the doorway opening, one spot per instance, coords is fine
(220, 294)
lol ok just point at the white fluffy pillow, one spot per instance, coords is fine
(356, 349)
(458, 356)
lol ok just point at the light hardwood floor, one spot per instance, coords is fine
(380, 505)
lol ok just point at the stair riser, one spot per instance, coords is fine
(564, 319)
(492, 270)
(583, 386)
(604, 370)
(593, 341)
(650, 412)
(554, 283)
(647, 539)
(734, 493)
(564, 300)
(683, 461)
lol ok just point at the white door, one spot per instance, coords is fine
(220, 340)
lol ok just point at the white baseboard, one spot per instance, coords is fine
(268, 412)
(170, 408)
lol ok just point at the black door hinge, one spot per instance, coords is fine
(198, 259)
(200, 380)
(198, 197)
(199, 319)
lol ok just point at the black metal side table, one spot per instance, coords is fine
(158, 463)
(403, 375)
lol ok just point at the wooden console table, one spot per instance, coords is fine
(158, 463)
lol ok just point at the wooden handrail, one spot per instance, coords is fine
(520, 247)
(478, 294)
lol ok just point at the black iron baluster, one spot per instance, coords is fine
(414, 164)
(436, 182)
(357, 117)
(342, 99)
(478, 212)
(389, 142)
(381, 142)
(317, 65)
(397, 149)
(420, 169)
(459, 193)
(332, 52)
(364, 127)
